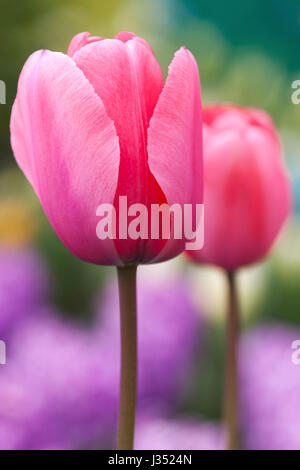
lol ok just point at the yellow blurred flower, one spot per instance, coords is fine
(18, 223)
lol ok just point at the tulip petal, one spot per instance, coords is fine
(174, 134)
(129, 80)
(67, 147)
(126, 36)
(175, 138)
(228, 116)
(247, 196)
(81, 40)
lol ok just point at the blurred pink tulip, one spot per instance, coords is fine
(247, 193)
(99, 123)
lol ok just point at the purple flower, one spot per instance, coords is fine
(270, 389)
(60, 386)
(23, 287)
(56, 390)
(168, 332)
(184, 434)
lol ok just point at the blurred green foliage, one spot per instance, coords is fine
(29, 25)
(75, 283)
(271, 26)
(205, 390)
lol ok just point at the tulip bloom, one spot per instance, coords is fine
(98, 125)
(247, 191)
(247, 200)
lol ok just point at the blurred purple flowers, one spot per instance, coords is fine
(59, 388)
(184, 434)
(168, 332)
(64, 385)
(270, 389)
(24, 286)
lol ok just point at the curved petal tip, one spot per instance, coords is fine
(81, 40)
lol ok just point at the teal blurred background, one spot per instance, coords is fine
(248, 53)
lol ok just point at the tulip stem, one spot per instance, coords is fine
(231, 366)
(128, 385)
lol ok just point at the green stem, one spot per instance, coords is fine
(128, 386)
(231, 366)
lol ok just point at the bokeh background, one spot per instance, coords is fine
(59, 316)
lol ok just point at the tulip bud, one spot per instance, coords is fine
(247, 193)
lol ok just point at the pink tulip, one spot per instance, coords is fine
(247, 194)
(100, 123)
(247, 199)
